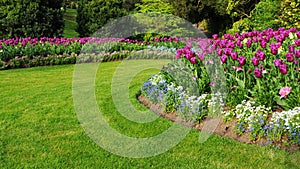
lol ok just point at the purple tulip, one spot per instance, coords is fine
(215, 36)
(296, 62)
(260, 55)
(274, 48)
(249, 43)
(297, 42)
(278, 62)
(223, 59)
(239, 68)
(234, 55)
(292, 30)
(242, 60)
(255, 39)
(219, 52)
(228, 51)
(298, 34)
(201, 56)
(289, 57)
(297, 53)
(291, 49)
(257, 73)
(283, 69)
(193, 60)
(268, 38)
(255, 61)
(239, 44)
(236, 34)
(178, 54)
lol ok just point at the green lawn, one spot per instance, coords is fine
(39, 128)
(70, 23)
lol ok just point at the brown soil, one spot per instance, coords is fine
(223, 129)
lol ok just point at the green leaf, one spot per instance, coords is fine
(281, 102)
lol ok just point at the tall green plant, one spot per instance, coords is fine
(24, 18)
(290, 14)
(94, 14)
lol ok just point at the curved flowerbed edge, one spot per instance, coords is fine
(224, 129)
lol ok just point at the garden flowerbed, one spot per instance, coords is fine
(32, 52)
(250, 80)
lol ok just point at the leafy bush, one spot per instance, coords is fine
(265, 14)
(270, 14)
(24, 18)
(290, 14)
(94, 14)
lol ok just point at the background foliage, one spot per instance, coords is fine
(25, 18)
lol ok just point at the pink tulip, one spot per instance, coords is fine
(284, 92)
(193, 60)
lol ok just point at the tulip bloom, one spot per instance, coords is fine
(297, 42)
(255, 61)
(219, 52)
(278, 62)
(242, 60)
(193, 60)
(257, 73)
(284, 92)
(291, 49)
(297, 53)
(223, 59)
(249, 43)
(234, 55)
(289, 57)
(283, 69)
(215, 36)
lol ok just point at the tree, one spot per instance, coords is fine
(154, 6)
(23, 18)
(93, 14)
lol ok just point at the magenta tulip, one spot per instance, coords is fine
(297, 42)
(193, 60)
(257, 73)
(255, 61)
(289, 57)
(283, 69)
(278, 62)
(242, 60)
(234, 55)
(249, 43)
(223, 59)
(297, 53)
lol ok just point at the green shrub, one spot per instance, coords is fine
(290, 14)
(94, 14)
(265, 15)
(25, 18)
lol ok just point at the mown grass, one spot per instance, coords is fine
(39, 128)
(70, 23)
